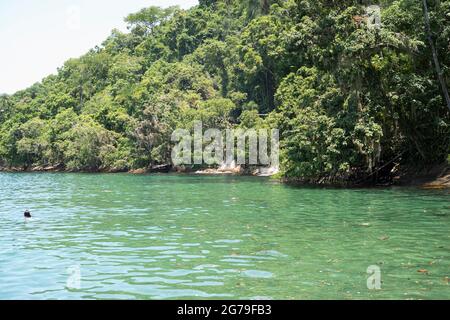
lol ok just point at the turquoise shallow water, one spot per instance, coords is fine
(188, 237)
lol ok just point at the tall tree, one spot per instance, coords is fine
(148, 18)
(436, 62)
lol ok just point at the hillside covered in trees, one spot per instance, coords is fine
(350, 99)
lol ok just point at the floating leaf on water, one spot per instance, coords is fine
(424, 271)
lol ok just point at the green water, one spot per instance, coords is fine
(188, 237)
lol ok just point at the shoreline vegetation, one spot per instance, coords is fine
(353, 91)
(436, 177)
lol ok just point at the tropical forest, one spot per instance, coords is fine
(353, 98)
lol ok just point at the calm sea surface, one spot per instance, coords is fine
(187, 237)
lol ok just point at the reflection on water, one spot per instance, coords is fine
(173, 237)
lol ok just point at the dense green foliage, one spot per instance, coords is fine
(347, 98)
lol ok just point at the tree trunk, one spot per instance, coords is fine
(435, 56)
(265, 6)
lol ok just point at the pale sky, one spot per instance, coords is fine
(37, 36)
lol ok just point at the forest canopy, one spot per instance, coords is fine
(348, 97)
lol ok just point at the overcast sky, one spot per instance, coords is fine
(37, 36)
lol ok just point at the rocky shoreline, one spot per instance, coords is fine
(434, 177)
(437, 177)
(233, 170)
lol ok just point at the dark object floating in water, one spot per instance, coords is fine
(27, 214)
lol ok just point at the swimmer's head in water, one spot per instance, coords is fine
(27, 214)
